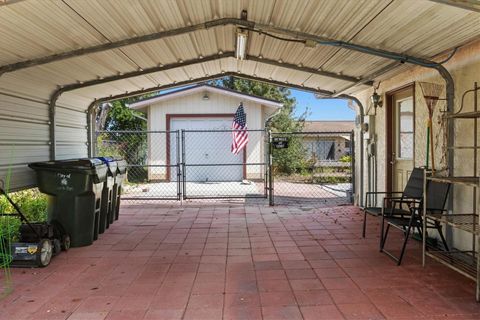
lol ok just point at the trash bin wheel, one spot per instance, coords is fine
(57, 246)
(44, 253)
(66, 242)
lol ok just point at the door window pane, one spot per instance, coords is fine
(405, 129)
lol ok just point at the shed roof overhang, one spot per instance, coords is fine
(203, 89)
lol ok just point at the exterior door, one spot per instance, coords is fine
(403, 137)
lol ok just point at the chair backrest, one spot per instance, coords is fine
(414, 187)
(437, 194)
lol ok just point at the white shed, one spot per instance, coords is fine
(205, 113)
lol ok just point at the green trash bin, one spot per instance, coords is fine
(107, 205)
(117, 188)
(74, 191)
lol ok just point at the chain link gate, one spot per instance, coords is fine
(311, 168)
(211, 171)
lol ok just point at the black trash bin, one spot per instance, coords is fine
(107, 206)
(74, 190)
(117, 188)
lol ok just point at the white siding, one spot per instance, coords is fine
(216, 104)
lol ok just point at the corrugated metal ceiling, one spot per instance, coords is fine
(34, 29)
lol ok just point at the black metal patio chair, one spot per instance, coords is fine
(413, 191)
(411, 218)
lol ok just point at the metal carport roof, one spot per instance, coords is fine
(59, 56)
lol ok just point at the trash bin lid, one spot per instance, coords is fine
(111, 163)
(68, 164)
(121, 165)
(94, 167)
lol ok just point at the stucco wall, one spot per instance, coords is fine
(465, 70)
(216, 104)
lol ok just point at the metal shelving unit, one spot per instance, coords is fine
(465, 262)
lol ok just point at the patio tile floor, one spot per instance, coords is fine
(234, 261)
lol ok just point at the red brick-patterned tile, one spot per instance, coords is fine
(281, 313)
(326, 312)
(279, 298)
(313, 297)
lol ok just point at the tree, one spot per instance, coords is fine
(292, 159)
(285, 120)
(121, 117)
(131, 146)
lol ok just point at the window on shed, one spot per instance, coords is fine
(325, 150)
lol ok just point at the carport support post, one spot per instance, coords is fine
(450, 95)
(91, 134)
(52, 124)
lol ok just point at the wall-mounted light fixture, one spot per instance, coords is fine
(205, 96)
(241, 44)
(376, 99)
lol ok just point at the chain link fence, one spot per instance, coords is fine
(187, 164)
(153, 171)
(312, 168)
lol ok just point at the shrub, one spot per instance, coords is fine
(346, 158)
(33, 205)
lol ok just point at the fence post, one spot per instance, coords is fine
(184, 183)
(352, 165)
(265, 163)
(179, 169)
(270, 171)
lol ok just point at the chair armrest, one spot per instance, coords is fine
(370, 193)
(384, 192)
(389, 211)
(394, 199)
(404, 200)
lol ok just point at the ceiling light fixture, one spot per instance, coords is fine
(241, 45)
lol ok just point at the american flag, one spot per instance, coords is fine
(239, 127)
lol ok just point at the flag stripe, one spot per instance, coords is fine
(239, 130)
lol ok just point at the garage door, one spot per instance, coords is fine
(207, 154)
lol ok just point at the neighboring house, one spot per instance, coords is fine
(332, 141)
(200, 108)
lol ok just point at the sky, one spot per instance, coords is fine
(321, 109)
(318, 109)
